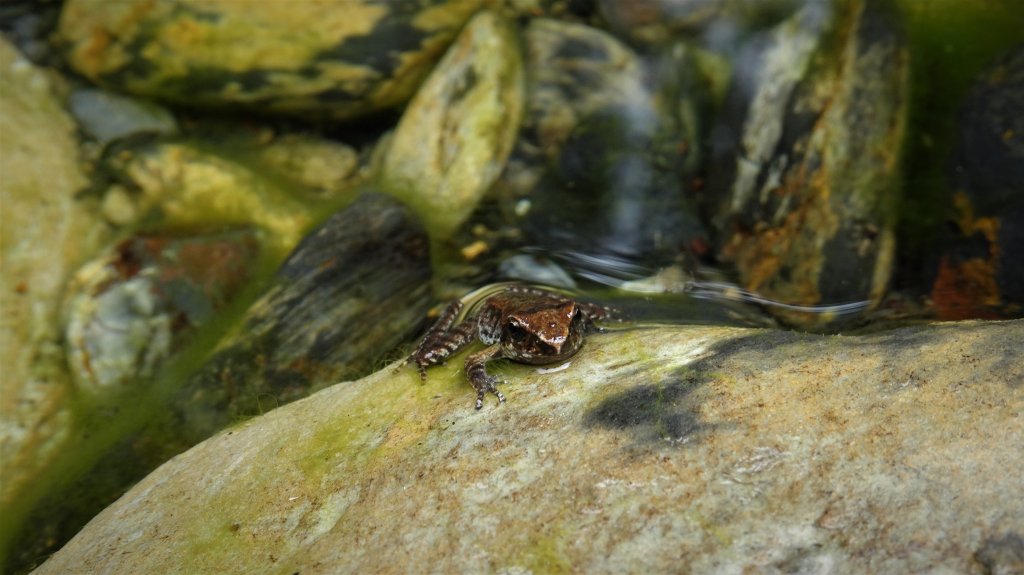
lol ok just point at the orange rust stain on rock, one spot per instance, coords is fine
(968, 289)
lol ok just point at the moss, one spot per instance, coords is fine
(545, 552)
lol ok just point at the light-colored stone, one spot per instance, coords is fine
(44, 233)
(658, 449)
(454, 138)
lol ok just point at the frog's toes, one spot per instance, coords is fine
(488, 387)
(480, 397)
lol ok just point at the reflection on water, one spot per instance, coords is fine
(670, 295)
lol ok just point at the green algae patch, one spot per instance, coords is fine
(545, 552)
(316, 469)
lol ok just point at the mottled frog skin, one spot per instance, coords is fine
(524, 324)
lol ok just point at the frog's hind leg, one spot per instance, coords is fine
(476, 370)
(599, 313)
(442, 340)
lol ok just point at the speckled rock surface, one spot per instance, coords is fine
(661, 449)
(44, 232)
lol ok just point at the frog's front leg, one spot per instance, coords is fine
(441, 340)
(476, 371)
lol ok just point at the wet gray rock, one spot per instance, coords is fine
(106, 116)
(718, 449)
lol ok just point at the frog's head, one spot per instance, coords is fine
(543, 335)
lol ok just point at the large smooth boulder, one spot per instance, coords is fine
(657, 449)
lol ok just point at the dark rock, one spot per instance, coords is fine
(981, 270)
(657, 21)
(351, 291)
(990, 154)
(1002, 555)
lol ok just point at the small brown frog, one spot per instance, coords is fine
(521, 323)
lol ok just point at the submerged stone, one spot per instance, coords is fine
(658, 21)
(981, 270)
(609, 145)
(717, 449)
(279, 186)
(128, 310)
(107, 116)
(808, 158)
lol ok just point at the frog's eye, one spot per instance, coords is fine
(516, 331)
(577, 318)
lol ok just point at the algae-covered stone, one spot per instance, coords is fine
(336, 59)
(453, 139)
(324, 166)
(44, 233)
(717, 449)
(812, 176)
